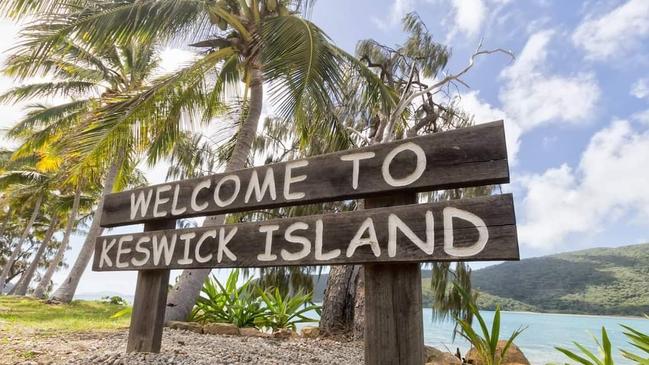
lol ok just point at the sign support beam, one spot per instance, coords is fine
(147, 319)
(394, 333)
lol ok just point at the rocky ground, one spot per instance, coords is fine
(178, 347)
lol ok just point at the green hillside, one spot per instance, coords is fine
(594, 281)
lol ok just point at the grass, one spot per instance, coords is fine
(78, 316)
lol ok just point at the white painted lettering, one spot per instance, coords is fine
(217, 190)
(415, 175)
(223, 244)
(358, 240)
(174, 204)
(288, 179)
(186, 238)
(122, 251)
(395, 223)
(141, 203)
(103, 258)
(267, 255)
(260, 191)
(199, 244)
(159, 201)
(319, 255)
(483, 232)
(162, 246)
(356, 158)
(289, 237)
(139, 248)
(200, 186)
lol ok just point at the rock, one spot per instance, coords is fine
(221, 329)
(251, 332)
(283, 334)
(310, 332)
(186, 326)
(437, 357)
(514, 355)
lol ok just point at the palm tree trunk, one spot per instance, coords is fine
(66, 291)
(39, 292)
(26, 278)
(4, 225)
(183, 296)
(16, 251)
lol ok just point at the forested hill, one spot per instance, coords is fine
(593, 281)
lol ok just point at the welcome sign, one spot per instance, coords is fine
(389, 240)
(473, 229)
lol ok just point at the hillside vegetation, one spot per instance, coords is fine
(611, 281)
(594, 281)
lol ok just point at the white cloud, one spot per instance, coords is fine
(533, 96)
(469, 16)
(640, 88)
(614, 33)
(398, 9)
(608, 183)
(172, 59)
(484, 112)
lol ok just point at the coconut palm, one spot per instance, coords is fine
(28, 274)
(252, 43)
(91, 79)
(34, 185)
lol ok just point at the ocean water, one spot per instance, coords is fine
(543, 333)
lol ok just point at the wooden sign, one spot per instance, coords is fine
(468, 229)
(390, 240)
(459, 158)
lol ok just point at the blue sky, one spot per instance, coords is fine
(575, 103)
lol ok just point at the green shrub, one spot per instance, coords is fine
(285, 312)
(228, 303)
(635, 338)
(640, 341)
(486, 343)
(115, 300)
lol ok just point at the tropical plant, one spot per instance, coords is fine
(486, 342)
(285, 311)
(589, 358)
(638, 340)
(230, 303)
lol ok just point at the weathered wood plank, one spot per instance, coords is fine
(459, 158)
(394, 331)
(327, 239)
(147, 319)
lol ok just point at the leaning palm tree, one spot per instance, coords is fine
(252, 44)
(37, 257)
(31, 183)
(91, 79)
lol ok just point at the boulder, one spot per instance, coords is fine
(252, 332)
(221, 329)
(186, 326)
(514, 355)
(283, 334)
(310, 332)
(437, 357)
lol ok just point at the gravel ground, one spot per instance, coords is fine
(178, 347)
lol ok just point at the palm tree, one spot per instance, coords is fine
(41, 288)
(94, 79)
(36, 185)
(256, 43)
(26, 277)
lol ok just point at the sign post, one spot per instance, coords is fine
(391, 237)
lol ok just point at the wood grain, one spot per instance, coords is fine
(338, 229)
(464, 157)
(147, 319)
(394, 332)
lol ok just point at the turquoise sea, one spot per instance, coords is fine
(544, 331)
